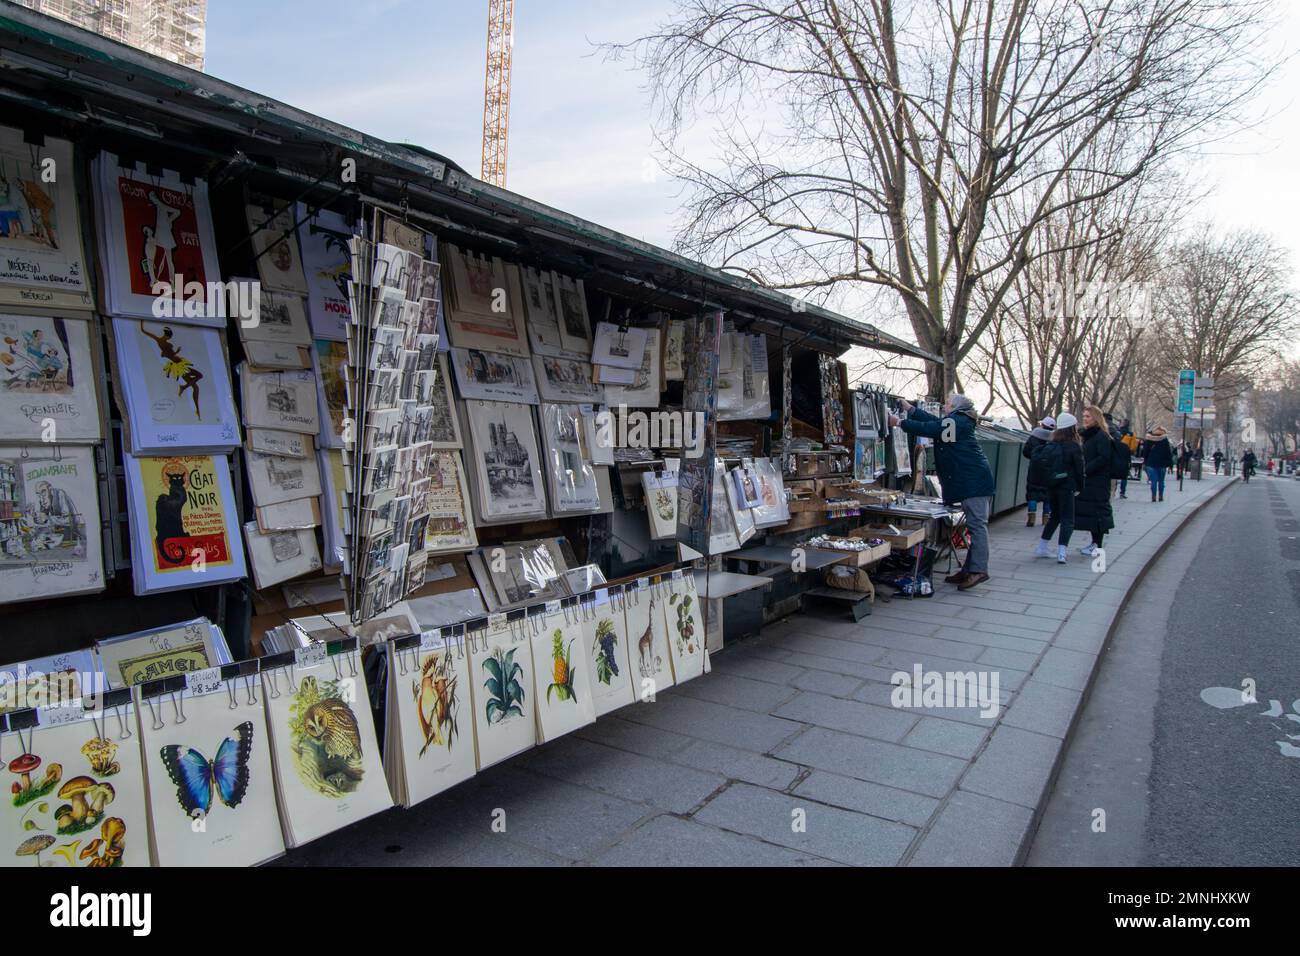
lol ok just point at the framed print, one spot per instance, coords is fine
(80, 802)
(644, 392)
(281, 319)
(485, 305)
(493, 377)
(41, 259)
(619, 345)
(327, 266)
(184, 524)
(207, 770)
(647, 637)
(604, 631)
(563, 379)
(176, 387)
(571, 308)
(278, 556)
(49, 522)
(325, 756)
(501, 678)
(506, 460)
(157, 231)
(562, 675)
(661, 503)
(275, 246)
(47, 375)
(280, 400)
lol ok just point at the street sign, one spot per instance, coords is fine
(1192, 421)
(1186, 390)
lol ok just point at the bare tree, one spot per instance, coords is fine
(871, 141)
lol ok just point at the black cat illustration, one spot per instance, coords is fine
(168, 521)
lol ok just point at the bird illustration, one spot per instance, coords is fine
(331, 723)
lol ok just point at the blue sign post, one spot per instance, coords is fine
(1186, 390)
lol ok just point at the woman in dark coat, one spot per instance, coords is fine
(1035, 493)
(1157, 458)
(1092, 511)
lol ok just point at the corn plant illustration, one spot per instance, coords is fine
(562, 670)
(685, 626)
(504, 686)
(606, 641)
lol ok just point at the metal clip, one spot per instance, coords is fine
(232, 695)
(178, 701)
(123, 725)
(153, 714)
(250, 686)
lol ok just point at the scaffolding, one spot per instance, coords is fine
(172, 29)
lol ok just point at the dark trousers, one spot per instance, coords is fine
(1062, 515)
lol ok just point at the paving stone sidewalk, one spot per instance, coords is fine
(797, 726)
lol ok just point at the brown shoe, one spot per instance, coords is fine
(1029, 522)
(972, 580)
(957, 578)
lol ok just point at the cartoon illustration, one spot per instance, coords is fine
(28, 212)
(562, 670)
(176, 366)
(325, 739)
(36, 363)
(39, 521)
(606, 642)
(436, 703)
(505, 686)
(197, 779)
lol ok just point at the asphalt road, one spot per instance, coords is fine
(1187, 774)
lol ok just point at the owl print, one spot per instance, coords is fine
(327, 739)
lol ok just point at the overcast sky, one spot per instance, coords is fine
(412, 70)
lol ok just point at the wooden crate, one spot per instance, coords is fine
(910, 537)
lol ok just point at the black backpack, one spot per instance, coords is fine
(1121, 458)
(1047, 465)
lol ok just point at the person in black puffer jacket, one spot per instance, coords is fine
(1036, 493)
(1157, 458)
(1092, 510)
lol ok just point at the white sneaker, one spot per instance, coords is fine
(1089, 550)
(1061, 553)
(1043, 549)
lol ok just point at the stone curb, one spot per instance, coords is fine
(1106, 632)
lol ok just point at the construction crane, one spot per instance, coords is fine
(496, 94)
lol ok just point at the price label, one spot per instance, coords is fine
(311, 655)
(552, 607)
(496, 622)
(677, 574)
(207, 681)
(60, 714)
(431, 640)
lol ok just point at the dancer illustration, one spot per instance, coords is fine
(177, 366)
(160, 237)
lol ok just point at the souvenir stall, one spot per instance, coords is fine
(331, 476)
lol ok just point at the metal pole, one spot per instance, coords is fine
(1182, 469)
(1201, 440)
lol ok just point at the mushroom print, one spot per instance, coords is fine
(107, 849)
(100, 752)
(34, 846)
(88, 801)
(23, 789)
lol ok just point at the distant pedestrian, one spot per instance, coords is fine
(1131, 443)
(1039, 437)
(1184, 459)
(1218, 460)
(1060, 466)
(964, 473)
(1248, 463)
(1092, 510)
(1158, 456)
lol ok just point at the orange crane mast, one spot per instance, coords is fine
(496, 95)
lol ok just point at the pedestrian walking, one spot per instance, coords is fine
(1130, 441)
(1218, 460)
(1039, 437)
(964, 473)
(1184, 460)
(1248, 463)
(1092, 510)
(1158, 457)
(1060, 468)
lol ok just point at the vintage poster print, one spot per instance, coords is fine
(449, 527)
(162, 652)
(331, 365)
(177, 388)
(46, 376)
(41, 260)
(49, 523)
(328, 268)
(190, 520)
(78, 796)
(211, 790)
(275, 244)
(494, 377)
(281, 400)
(444, 427)
(158, 231)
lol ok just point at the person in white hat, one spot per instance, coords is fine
(1059, 466)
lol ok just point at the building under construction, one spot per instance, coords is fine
(171, 29)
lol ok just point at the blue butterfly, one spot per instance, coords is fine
(196, 778)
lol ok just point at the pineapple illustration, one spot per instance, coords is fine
(562, 669)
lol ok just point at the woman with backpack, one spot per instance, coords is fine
(1035, 493)
(1059, 463)
(1092, 510)
(1158, 457)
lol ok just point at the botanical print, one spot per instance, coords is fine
(504, 683)
(606, 651)
(49, 523)
(647, 638)
(325, 738)
(45, 374)
(562, 679)
(76, 797)
(40, 236)
(501, 662)
(685, 629)
(604, 634)
(562, 670)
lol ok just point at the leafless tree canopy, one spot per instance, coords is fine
(917, 146)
